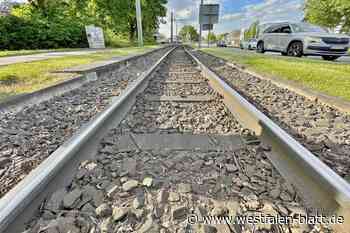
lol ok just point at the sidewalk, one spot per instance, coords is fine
(43, 56)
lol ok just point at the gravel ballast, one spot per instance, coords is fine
(132, 187)
(324, 130)
(29, 136)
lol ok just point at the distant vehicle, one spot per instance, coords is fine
(243, 44)
(221, 43)
(303, 39)
(252, 43)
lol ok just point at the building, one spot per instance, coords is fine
(232, 38)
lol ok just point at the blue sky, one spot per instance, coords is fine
(235, 14)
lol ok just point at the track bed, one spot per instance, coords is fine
(29, 136)
(325, 131)
(179, 152)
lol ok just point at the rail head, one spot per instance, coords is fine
(319, 185)
(17, 199)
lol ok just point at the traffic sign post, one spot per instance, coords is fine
(200, 31)
(208, 16)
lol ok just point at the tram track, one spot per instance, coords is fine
(178, 141)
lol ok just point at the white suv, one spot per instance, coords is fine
(298, 39)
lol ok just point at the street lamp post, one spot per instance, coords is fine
(139, 23)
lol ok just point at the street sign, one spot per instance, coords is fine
(209, 9)
(207, 27)
(209, 14)
(209, 19)
(95, 37)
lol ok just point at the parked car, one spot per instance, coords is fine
(252, 43)
(299, 39)
(221, 44)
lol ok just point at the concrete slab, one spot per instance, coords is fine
(126, 143)
(187, 142)
(230, 142)
(184, 73)
(204, 98)
(186, 81)
(173, 142)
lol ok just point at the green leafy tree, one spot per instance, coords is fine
(222, 36)
(188, 33)
(252, 32)
(246, 35)
(329, 13)
(212, 37)
(120, 15)
(60, 23)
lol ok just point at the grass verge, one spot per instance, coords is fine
(331, 78)
(27, 77)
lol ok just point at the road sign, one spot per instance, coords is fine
(209, 19)
(209, 13)
(95, 37)
(209, 9)
(207, 27)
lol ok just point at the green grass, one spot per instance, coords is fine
(27, 77)
(330, 78)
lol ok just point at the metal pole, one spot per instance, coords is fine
(200, 31)
(209, 38)
(172, 28)
(139, 22)
(175, 28)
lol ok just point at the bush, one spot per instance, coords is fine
(36, 31)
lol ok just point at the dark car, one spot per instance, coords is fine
(221, 44)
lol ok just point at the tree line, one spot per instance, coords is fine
(61, 23)
(329, 13)
(189, 33)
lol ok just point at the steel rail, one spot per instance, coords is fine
(321, 189)
(20, 203)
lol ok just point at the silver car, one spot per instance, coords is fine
(299, 39)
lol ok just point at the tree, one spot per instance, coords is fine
(188, 33)
(60, 23)
(222, 36)
(329, 13)
(253, 31)
(211, 37)
(120, 15)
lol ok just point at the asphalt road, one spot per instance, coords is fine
(345, 60)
